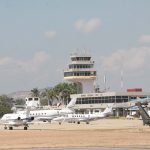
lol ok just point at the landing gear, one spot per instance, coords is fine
(49, 121)
(10, 128)
(78, 122)
(5, 128)
(59, 123)
(87, 122)
(25, 128)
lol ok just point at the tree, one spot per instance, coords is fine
(50, 95)
(43, 102)
(20, 102)
(5, 105)
(35, 92)
(63, 91)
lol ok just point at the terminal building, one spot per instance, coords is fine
(81, 71)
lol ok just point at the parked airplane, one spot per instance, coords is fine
(144, 114)
(84, 117)
(138, 99)
(16, 120)
(49, 114)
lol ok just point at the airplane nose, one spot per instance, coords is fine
(2, 118)
(56, 119)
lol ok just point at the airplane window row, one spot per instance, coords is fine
(77, 115)
(35, 114)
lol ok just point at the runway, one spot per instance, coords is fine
(87, 148)
(106, 134)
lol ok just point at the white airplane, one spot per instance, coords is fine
(138, 99)
(15, 120)
(48, 115)
(84, 117)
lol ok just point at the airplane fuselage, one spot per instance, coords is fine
(47, 115)
(78, 117)
(14, 120)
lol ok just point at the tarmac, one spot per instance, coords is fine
(85, 148)
(105, 134)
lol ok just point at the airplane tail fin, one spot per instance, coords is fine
(58, 105)
(27, 112)
(108, 110)
(144, 114)
(72, 103)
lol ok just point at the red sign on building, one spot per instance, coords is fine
(134, 90)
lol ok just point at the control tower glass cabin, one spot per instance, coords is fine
(81, 71)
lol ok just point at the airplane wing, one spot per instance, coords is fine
(14, 123)
(81, 119)
(45, 118)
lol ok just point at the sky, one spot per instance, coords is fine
(38, 36)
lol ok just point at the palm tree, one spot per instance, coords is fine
(50, 95)
(60, 92)
(35, 92)
(63, 91)
(66, 96)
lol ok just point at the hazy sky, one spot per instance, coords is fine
(38, 36)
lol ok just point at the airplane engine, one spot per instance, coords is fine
(31, 119)
(18, 118)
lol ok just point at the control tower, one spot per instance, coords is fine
(81, 71)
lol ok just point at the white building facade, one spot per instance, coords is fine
(90, 102)
(81, 71)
